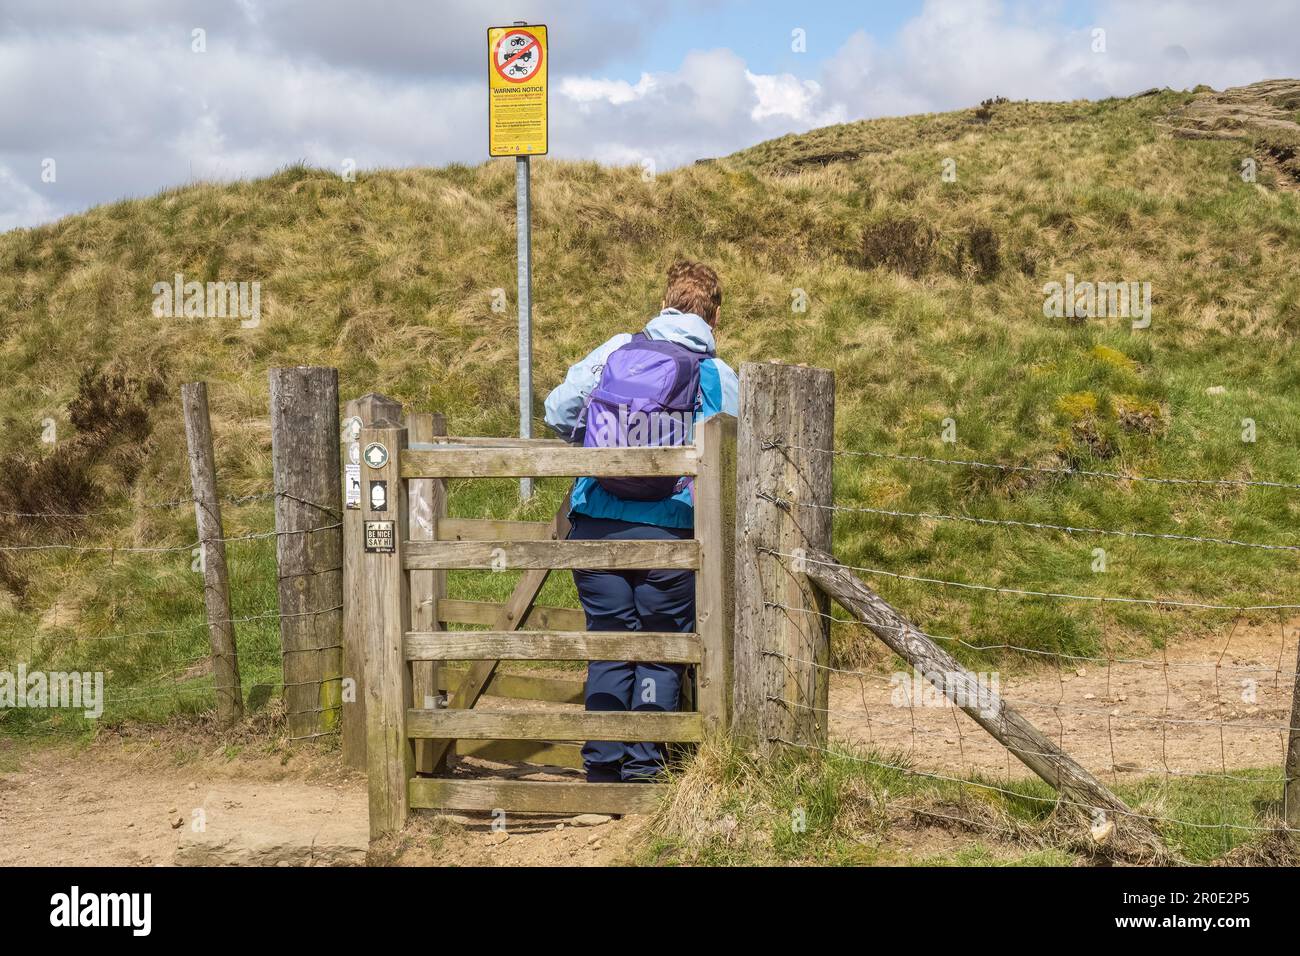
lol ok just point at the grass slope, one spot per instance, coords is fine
(925, 296)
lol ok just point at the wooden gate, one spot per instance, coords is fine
(400, 728)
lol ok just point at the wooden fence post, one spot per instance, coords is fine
(390, 758)
(212, 549)
(427, 499)
(786, 412)
(309, 544)
(715, 527)
(1291, 789)
(368, 410)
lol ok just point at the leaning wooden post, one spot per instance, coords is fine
(787, 413)
(1291, 789)
(309, 544)
(427, 505)
(360, 413)
(715, 527)
(390, 758)
(212, 545)
(1081, 792)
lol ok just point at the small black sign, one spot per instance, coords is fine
(379, 537)
(378, 496)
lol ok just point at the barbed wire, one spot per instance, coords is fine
(310, 572)
(874, 720)
(187, 628)
(153, 506)
(1216, 665)
(1039, 469)
(98, 549)
(1009, 522)
(235, 500)
(199, 688)
(1058, 705)
(1061, 706)
(177, 665)
(115, 550)
(332, 512)
(1019, 648)
(1022, 592)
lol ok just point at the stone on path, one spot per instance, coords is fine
(287, 824)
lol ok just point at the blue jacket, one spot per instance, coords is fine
(566, 405)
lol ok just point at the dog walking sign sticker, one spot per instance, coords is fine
(517, 90)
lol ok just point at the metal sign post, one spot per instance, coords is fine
(524, 238)
(517, 126)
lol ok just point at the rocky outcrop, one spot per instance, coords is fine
(1266, 114)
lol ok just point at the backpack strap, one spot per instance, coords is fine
(642, 337)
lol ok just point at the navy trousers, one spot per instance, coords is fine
(631, 601)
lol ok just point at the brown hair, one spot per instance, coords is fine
(693, 287)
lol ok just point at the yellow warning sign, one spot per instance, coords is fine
(517, 90)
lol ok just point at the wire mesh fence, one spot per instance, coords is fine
(150, 672)
(1195, 732)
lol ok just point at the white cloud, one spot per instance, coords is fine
(786, 96)
(22, 205)
(586, 89)
(115, 95)
(957, 52)
(168, 115)
(713, 104)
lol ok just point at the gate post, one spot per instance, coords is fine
(715, 527)
(369, 409)
(309, 544)
(390, 760)
(781, 692)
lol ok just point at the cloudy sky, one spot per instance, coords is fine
(115, 93)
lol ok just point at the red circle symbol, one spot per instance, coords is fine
(517, 56)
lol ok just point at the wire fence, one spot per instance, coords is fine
(151, 506)
(163, 662)
(1130, 717)
(1195, 740)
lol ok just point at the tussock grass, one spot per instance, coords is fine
(860, 807)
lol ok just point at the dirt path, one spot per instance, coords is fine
(129, 801)
(132, 802)
(1128, 718)
(115, 803)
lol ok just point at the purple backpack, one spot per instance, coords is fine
(646, 396)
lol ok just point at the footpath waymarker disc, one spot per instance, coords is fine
(517, 91)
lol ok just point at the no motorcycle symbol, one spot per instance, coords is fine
(518, 56)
